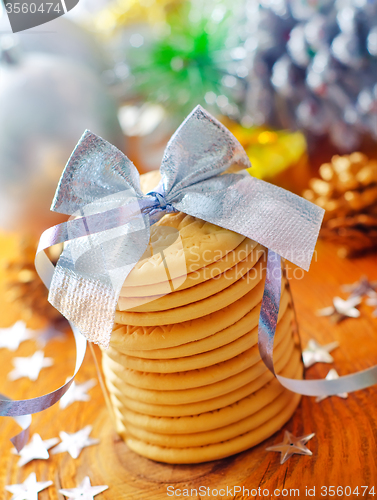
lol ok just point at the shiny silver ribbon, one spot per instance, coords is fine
(109, 233)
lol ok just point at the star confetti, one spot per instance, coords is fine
(372, 301)
(29, 489)
(48, 334)
(332, 375)
(29, 366)
(74, 443)
(341, 309)
(292, 445)
(316, 353)
(36, 449)
(11, 338)
(84, 492)
(77, 392)
(361, 287)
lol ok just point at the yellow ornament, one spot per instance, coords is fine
(270, 151)
(125, 12)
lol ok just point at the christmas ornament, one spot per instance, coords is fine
(29, 489)
(361, 287)
(292, 445)
(312, 66)
(372, 301)
(74, 443)
(316, 353)
(332, 375)
(119, 13)
(186, 62)
(11, 338)
(29, 367)
(36, 449)
(341, 309)
(77, 392)
(347, 190)
(45, 104)
(83, 492)
(25, 287)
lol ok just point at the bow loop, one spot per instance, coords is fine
(200, 149)
(95, 170)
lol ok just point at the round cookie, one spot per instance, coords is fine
(128, 337)
(174, 410)
(195, 378)
(223, 337)
(201, 291)
(198, 454)
(182, 244)
(205, 273)
(213, 419)
(199, 308)
(215, 436)
(202, 360)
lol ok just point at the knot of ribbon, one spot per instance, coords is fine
(109, 232)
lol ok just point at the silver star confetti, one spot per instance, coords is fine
(30, 366)
(74, 443)
(36, 449)
(11, 338)
(341, 309)
(84, 492)
(77, 392)
(361, 287)
(291, 445)
(316, 353)
(372, 301)
(48, 334)
(332, 375)
(29, 489)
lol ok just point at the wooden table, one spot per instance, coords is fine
(344, 447)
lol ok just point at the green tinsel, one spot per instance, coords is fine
(187, 62)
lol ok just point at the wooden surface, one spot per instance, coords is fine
(344, 448)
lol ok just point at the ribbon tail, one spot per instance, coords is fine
(266, 335)
(270, 310)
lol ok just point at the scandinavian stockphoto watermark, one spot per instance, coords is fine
(25, 14)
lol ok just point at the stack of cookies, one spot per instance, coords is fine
(183, 369)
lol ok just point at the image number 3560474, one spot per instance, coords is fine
(24, 15)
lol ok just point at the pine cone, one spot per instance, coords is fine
(312, 66)
(347, 191)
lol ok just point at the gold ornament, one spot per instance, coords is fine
(23, 285)
(125, 12)
(347, 190)
(270, 151)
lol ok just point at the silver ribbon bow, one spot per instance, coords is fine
(110, 231)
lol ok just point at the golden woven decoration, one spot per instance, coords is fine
(24, 286)
(347, 190)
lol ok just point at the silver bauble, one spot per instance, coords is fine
(46, 103)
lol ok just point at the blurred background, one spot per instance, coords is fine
(294, 80)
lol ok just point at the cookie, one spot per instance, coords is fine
(218, 435)
(181, 244)
(199, 308)
(178, 410)
(195, 378)
(205, 273)
(129, 337)
(202, 360)
(198, 454)
(201, 291)
(214, 419)
(233, 332)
